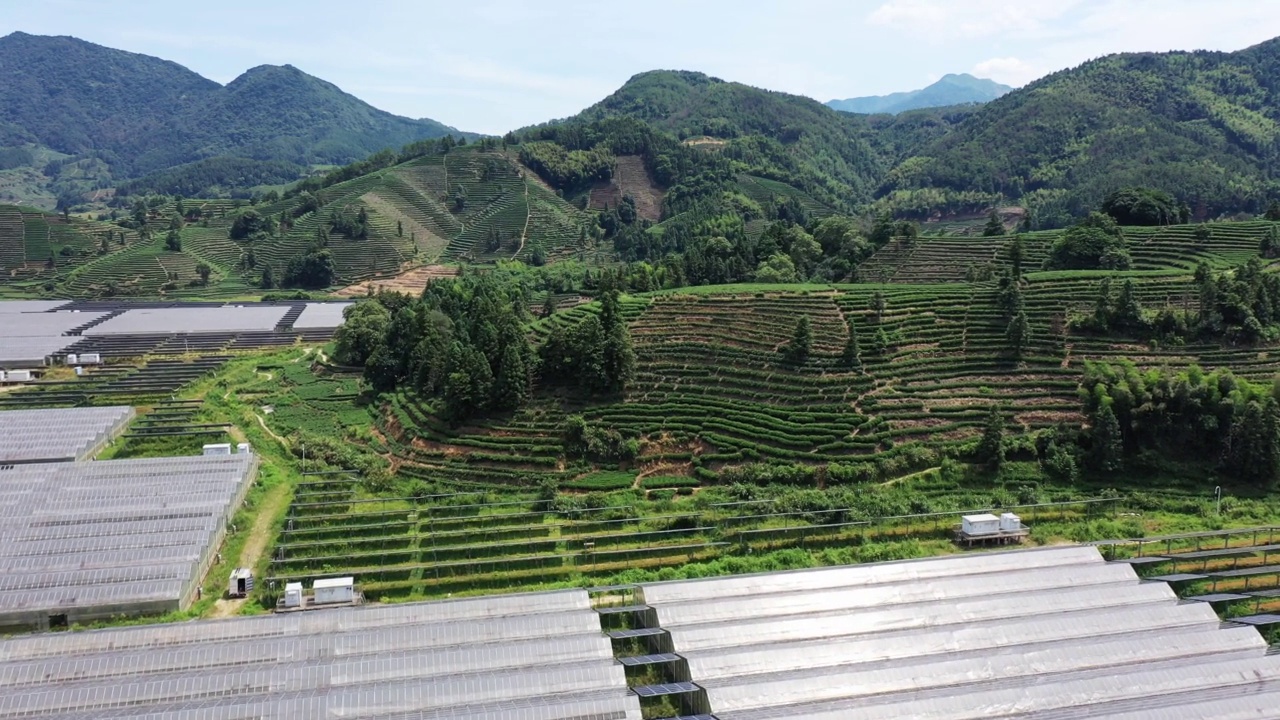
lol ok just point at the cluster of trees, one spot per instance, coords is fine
(1188, 414)
(464, 344)
(1094, 243)
(1145, 206)
(311, 270)
(223, 176)
(1240, 306)
(568, 170)
(1013, 311)
(595, 354)
(354, 225)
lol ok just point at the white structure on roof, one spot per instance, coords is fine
(334, 590)
(217, 449)
(293, 595)
(1010, 523)
(984, 524)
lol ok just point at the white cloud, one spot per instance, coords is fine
(942, 20)
(1007, 70)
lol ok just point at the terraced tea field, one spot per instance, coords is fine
(34, 244)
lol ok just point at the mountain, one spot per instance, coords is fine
(1201, 125)
(784, 137)
(140, 114)
(950, 90)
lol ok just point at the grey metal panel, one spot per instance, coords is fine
(30, 306)
(193, 320)
(1019, 582)
(798, 580)
(321, 315)
(1012, 666)
(58, 434)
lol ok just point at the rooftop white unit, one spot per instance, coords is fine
(293, 595)
(18, 376)
(334, 590)
(71, 359)
(217, 449)
(1010, 523)
(91, 359)
(243, 448)
(984, 524)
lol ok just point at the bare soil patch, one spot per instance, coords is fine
(412, 282)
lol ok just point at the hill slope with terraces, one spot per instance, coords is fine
(713, 389)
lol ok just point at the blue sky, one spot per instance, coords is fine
(493, 65)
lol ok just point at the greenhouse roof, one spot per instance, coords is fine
(1053, 632)
(535, 657)
(58, 434)
(84, 535)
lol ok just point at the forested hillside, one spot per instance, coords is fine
(136, 115)
(1202, 126)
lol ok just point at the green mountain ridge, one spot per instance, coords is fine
(951, 89)
(140, 115)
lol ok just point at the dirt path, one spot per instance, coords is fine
(271, 432)
(256, 544)
(528, 209)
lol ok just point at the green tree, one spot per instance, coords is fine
(467, 384)
(1252, 449)
(990, 449)
(1203, 234)
(1128, 314)
(548, 305)
(204, 270)
(459, 198)
(511, 386)
(1102, 306)
(1273, 211)
(1017, 255)
(1018, 334)
(878, 305)
(1107, 452)
(1142, 206)
(268, 280)
(778, 268)
(1096, 242)
(805, 253)
(399, 229)
(1269, 247)
(994, 226)
(850, 357)
(617, 355)
(173, 241)
(796, 351)
(363, 330)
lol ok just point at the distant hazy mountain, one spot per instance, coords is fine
(950, 90)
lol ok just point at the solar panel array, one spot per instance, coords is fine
(117, 537)
(62, 434)
(1033, 634)
(321, 315)
(513, 657)
(29, 335)
(228, 318)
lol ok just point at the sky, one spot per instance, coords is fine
(494, 65)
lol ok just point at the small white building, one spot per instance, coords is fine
(18, 376)
(243, 448)
(334, 590)
(240, 583)
(293, 595)
(90, 358)
(984, 524)
(71, 359)
(217, 449)
(1010, 523)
